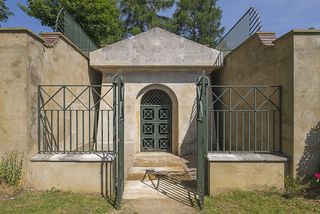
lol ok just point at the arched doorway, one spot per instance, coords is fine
(155, 121)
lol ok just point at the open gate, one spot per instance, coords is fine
(86, 119)
(202, 137)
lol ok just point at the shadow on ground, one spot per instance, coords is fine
(178, 186)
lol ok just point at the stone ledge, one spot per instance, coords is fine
(94, 157)
(246, 157)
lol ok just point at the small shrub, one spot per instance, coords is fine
(295, 188)
(11, 169)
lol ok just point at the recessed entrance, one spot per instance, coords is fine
(156, 123)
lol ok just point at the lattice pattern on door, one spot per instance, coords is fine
(156, 121)
(156, 97)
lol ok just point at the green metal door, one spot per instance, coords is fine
(155, 120)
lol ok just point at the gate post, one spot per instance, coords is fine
(202, 137)
(118, 127)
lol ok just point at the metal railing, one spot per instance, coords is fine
(244, 118)
(73, 118)
(247, 25)
(74, 32)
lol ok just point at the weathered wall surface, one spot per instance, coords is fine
(228, 176)
(153, 48)
(25, 63)
(180, 86)
(69, 176)
(254, 63)
(306, 160)
(292, 63)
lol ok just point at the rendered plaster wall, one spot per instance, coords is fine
(25, 63)
(181, 88)
(69, 176)
(293, 63)
(153, 48)
(254, 63)
(229, 176)
(306, 160)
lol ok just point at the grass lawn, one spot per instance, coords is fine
(54, 202)
(260, 202)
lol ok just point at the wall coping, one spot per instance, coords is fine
(246, 157)
(41, 39)
(74, 157)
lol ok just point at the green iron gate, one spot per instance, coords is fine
(118, 136)
(202, 137)
(156, 121)
(82, 119)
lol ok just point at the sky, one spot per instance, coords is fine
(278, 16)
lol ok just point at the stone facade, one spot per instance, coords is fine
(30, 61)
(161, 60)
(157, 59)
(290, 62)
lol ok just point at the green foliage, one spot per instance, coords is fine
(140, 15)
(259, 202)
(198, 20)
(100, 18)
(294, 188)
(4, 11)
(11, 169)
(55, 201)
(107, 21)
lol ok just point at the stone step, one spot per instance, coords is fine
(156, 163)
(137, 173)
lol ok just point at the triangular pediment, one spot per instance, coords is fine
(154, 48)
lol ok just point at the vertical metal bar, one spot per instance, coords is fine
(236, 130)
(261, 133)
(82, 130)
(89, 137)
(94, 130)
(211, 128)
(242, 127)
(39, 115)
(51, 131)
(58, 130)
(45, 143)
(64, 118)
(230, 122)
(230, 127)
(108, 125)
(249, 136)
(77, 146)
(101, 130)
(218, 125)
(280, 119)
(268, 132)
(70, 125)
(224, 130)
(255, 119)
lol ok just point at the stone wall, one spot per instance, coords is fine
(290, 62)
(181, 88)
(306, 125)
(27, 61)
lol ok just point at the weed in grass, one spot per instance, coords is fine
(11, 169)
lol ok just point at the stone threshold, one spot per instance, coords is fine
(74, 157)
(246, 157)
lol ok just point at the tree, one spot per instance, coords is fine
(4, 11)
(100, 18)
(198, 20)
(141, 15)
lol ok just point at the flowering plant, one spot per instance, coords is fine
(317, 176)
